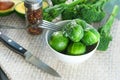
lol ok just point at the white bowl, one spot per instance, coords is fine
(69, 58)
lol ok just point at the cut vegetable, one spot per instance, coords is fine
(45, 4)
(20, 9)
(6, 8)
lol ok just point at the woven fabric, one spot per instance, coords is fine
(101, 66)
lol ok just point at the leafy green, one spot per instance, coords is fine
(91, 12)
(54, 2)
(105, 30)
(89, 1)
(69, 13)
(51, 13)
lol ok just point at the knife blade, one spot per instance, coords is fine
(27, 55)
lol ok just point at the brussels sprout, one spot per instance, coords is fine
(81, 22)
(76, 48)
(91, 36)
(74, 31)
(58, 41)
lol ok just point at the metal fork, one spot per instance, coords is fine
(49, 25)
(45, 24)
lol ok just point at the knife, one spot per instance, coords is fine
(27, 55)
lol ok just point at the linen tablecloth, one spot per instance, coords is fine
(101, 66)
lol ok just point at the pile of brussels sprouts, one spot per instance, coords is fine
(74, 38)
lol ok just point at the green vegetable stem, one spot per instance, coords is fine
(58, 1)
(89, 1)
(105, 31)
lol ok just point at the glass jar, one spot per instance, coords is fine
(33, 16)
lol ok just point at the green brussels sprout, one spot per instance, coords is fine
(81, 22)
(76, 48)
(91, 36)
(74, 31)
(58, 41)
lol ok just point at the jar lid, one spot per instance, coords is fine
(33, 4)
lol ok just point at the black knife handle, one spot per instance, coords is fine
(12, 44)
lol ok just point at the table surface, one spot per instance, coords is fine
(101, 66)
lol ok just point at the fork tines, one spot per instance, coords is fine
(48, 25)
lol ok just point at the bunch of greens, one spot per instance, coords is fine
(51, 13)
(90, 12)
(105, 36)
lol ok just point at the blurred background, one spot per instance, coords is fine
(109, 6)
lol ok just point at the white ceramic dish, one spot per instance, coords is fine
(69, 58)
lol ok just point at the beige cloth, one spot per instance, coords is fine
(101, 66)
